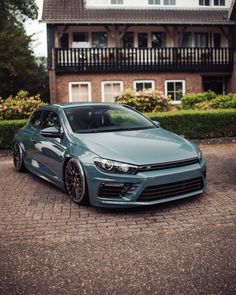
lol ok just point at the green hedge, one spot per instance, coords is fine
(8, 129)
(198, 124)
(190, 124)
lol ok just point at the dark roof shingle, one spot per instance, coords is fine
(74, 11)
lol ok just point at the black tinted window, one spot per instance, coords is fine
(50, 119)
(35, 119)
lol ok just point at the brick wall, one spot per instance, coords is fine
(60, 83)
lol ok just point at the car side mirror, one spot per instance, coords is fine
(157, 123)
(51, 132)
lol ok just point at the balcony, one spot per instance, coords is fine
(101, 60)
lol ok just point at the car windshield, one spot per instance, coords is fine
(105, 118)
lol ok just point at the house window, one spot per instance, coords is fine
(217, 40)
(99, 39)
(64, 41)
(186, 40)
(219, 2)
(169, 2)
(128, 40)
(79, 91)
(142, 40)
(158, 39)
(204, 2)
(154, 2)
(201, 40)
(111, 89)
(80, 40)
(140, 85)
(175, 89)
(117, 2)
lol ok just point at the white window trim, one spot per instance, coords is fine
(109, 82)
(79, 83)
(174, 81)
(144, 81)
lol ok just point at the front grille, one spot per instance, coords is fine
(115, 190)
(161, 191)
(166, 165)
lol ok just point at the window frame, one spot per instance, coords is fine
(144, 81)
(203, 3)
(103, 83)
(169, 3)
(219, 3)
(154, 2)
(183, 89)
(79, 83)
(116, 2)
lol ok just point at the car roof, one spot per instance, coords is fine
(73, 104)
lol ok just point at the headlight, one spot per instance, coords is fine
(115, 167)
(199, 154)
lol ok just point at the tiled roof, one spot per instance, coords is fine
(74, 11)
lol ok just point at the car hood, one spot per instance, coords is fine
(138, 147)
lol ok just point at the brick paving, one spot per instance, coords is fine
(31, 209)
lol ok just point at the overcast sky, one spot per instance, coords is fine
(39, 29)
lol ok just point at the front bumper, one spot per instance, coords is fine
(132, 187)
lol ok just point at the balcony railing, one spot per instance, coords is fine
(80, 60)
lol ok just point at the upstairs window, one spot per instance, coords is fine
(169, 2)
(80, 40)
(201, 40)
(99, 39)
(158, 39)
(204, 2)
(186, 39)
(115, 2)
(154, 2)
(219, 2)
(128, 40)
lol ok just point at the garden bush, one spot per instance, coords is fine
(146, 100)
(19, 107)
(190, 100)
(198, 124)
(8, 129)
(208, 100)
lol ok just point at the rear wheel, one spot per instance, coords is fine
(18, 159)
(75, 182)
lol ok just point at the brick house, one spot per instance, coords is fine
(97, 48)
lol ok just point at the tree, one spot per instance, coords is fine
(17, 11)
(19, 69)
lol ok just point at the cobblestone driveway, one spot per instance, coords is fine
(33, 212)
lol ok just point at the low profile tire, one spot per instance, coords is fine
(18, 158)
(75, 182)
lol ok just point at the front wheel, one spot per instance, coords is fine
(18, 159)
(75, 182)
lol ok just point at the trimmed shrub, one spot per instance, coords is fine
(190, 100)
(208, 100)
(19, 107)
(198, 124)
(146, 100)
(8, 129)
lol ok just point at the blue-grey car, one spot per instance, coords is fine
(109, 155)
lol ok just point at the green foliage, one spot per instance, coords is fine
(198, 124)
(145, 100)
(19, 69)
(19, 107)
(8, 130)
(17, 11)
(190, 100)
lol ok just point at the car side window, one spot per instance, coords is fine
(35, 119)
(50, 119)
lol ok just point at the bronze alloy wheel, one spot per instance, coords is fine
(75, 182)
